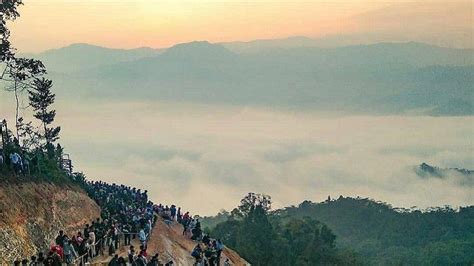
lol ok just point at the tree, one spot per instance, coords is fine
(18, 72)
(250, 202)
(28, 134)
(265, 238)
(21, 73)
(8, 11)
(255, 238)
(41, 99)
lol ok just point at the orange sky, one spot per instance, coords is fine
(46, 24)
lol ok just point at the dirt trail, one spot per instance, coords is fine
(169, 242)
(171, 245)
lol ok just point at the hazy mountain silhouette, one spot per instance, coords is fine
(256, 46)
(80, 56)
(426, 170)
(199, 50)
(377, 78)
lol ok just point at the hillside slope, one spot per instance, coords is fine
(169, 241)
(171, 245)
(393, 236)
(31, 214)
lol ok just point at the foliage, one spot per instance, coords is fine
(40, 158)
(250, 202)
(24, 70)
(265, 239)
(208, 222)
(368, 231)
(41, 98)
(28, 134)
(8, 11)
(384, 235)
(19, 73)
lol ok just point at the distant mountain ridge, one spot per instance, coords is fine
(79, 56)
(383, 78)
(425, 169)
(197, 49)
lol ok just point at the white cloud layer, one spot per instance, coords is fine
(205, 158)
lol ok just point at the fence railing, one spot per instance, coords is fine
(98, 248)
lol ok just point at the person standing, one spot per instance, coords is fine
(69, 252)
(16, 161)
(126, 231)
(142, 236)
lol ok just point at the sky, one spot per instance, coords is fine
(46, 24)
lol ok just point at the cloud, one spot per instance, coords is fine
(206, 157)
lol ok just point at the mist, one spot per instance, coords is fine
(212, 155)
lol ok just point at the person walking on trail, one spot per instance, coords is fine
(16, 161)
(60, 238)
(141, 259)
(2, 160)
(197, 232)
(69, 252)
(92, 240)
(173, 212)
(26, 164)
(142, 237)
(197, 254)
(131, 254)
(114, 261)
(154, 260)
(126, 232)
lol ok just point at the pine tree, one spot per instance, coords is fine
(41, 98)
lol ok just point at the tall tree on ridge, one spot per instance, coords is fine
(41, 99)
(21, 73)
(18, 72)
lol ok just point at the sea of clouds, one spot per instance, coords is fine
(207, 157)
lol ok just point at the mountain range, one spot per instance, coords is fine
(294, 73)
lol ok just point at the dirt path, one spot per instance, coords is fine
(171, 245)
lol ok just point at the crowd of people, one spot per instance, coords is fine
(126, 213)
(207, 251)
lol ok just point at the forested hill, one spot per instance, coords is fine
(383, 235)
(426, 170)
(386, 235)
